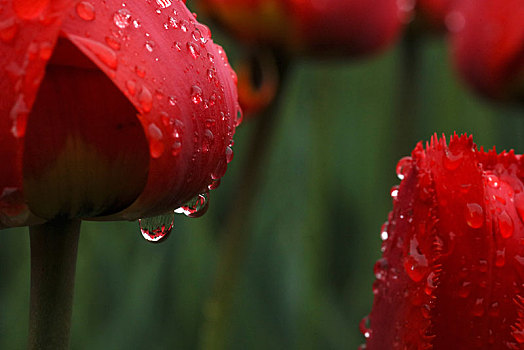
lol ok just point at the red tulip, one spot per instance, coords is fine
(435, 11)
(452, 271)
(488, 46)
(109, 108)
(354, 27)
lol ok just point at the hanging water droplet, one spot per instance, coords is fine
(364, 327)
(394, 192)
(196, 207)
(85, 10)
(229, 154)
(403, 167)
(156, 229)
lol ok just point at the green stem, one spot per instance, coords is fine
(53, 260)
(235, 236)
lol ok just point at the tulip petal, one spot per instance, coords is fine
(452, 271)
(179, 81)
(28, 32)
(488, 46)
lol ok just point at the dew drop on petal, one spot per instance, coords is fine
(131, 87)
(500, 257)
(505, 225)
(122, 18)
(452, 161)
(163, 3)
(229, 154)
(478, 308)
(156, 229)
(196, 94)
(403, 167)
(85, 10)
(474, 215)
(196, 207)
(193, 50)
(145, 99)
(112, 43)
(364, 327)
(8, 30)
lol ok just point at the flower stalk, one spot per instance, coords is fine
(54, 248)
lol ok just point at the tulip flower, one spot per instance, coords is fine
(435, 12)
(353, 27)
(487, 45)
(109, 110)
(452, 271)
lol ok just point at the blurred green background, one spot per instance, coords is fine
(314, 231)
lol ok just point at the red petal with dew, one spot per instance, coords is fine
(165, 62)
(452, 271)
(28, 32)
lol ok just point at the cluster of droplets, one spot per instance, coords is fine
(156, 229)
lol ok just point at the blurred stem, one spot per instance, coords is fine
(405, 120)
(53, 261)
(235, 236)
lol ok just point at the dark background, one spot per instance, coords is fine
(314, 230)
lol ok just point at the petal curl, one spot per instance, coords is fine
(28, 32)
(165, 62)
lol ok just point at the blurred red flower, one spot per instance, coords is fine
(353, 27)
(487, 40)
(452, 271)
(120, 108)
(435, 12)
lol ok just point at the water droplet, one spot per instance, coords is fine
(493, 181)
(474, 215)
(112, 43)
(403, 167)
(105, 54)
(494, 309)
(193, 50)
(177, 46)
(156, 145)
(415, 264)
(136, 24)
(122, 18)
(196, 94)
(452, 161)
(478, 308)
(131, 87)
(431, 283)
(85, 10)
(505, 225)
(163, 3)
(380, 269)
(149, 45)
(464, 289)
(18, 115)
(394, 192)
(364, 327)
(239, 116)
(196, 207)
(500, 257)
(384, 231)
(229, 154)
(483, 265)
(8, 30)
(145, 99)
(214, 184)
(156, 229)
